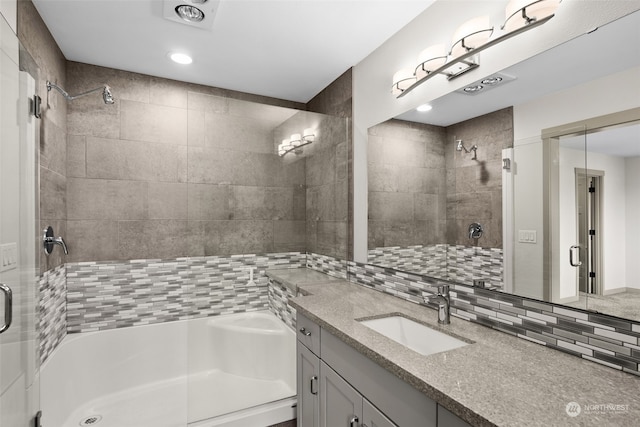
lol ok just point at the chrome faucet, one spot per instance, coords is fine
(443, 299)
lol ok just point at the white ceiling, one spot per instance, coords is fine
(610, 49)
(288, 49)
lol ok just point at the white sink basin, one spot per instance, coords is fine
(414, 335)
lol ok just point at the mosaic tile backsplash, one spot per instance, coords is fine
(94, 296)
(599, 338)
(450, 262)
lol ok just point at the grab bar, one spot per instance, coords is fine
(8, 307)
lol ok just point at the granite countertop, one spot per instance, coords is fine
(499, 380)
(292, 278)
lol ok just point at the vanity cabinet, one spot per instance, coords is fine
(340, 387)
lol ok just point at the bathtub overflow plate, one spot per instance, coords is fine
(91, 420)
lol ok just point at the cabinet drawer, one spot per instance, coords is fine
(308, 333)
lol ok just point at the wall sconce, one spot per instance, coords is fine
(296, 141)
(469, 40)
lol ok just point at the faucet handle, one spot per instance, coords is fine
(443, 290)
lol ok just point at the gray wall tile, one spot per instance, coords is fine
(153, 123)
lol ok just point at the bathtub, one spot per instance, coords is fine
(234, 371)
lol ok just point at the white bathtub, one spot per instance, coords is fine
(233, 370)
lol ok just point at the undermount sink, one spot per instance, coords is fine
(414, 335)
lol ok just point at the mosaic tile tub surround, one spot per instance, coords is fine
(107, 295)
(599, 338)
(457, 263)
(52, 316)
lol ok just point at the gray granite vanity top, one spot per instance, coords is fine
(292, 278)
(499, 380)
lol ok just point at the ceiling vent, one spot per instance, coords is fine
(195, 13)
(485, 84)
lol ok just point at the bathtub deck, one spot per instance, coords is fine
(162, 404)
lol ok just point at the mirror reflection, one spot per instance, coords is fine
(462, 192)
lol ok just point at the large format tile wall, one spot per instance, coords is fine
(326, 180)
(606, 340)
(43, 59)
(450, 262)
(174, 169)
(407, 184)
(474, 187)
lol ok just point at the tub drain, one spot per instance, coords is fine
(90, 421)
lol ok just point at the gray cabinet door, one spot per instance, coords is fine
(340, 404)
(371, 417)
(308, 374)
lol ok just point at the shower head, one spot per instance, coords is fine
(107, 97)
(460, 146)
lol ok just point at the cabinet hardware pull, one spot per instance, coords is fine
(305, 332)
(314, 385)
(354, 421)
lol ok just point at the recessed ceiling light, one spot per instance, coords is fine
(475, 88)
(424, 108)
(189, 13)
(492, 80)
(180, 58)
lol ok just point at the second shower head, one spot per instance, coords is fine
(460, 146)
(107, 96)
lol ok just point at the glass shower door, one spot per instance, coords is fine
(18, 351)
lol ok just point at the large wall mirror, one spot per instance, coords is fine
(481, 188)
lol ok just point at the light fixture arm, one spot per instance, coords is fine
(66, 94)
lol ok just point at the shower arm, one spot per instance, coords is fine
(66, 94)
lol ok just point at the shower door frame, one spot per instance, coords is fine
(551, 221)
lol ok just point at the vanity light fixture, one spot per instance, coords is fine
(431, 59)
(402, 80)
(295, 143)
(469, 40)
(471, 35)
(520, 13)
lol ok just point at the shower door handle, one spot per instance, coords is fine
(8, 306)
(572, 249)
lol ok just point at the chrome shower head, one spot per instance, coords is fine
(459, 146)
(107, 96)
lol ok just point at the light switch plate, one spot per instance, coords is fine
(8, 256)
(527, 236)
